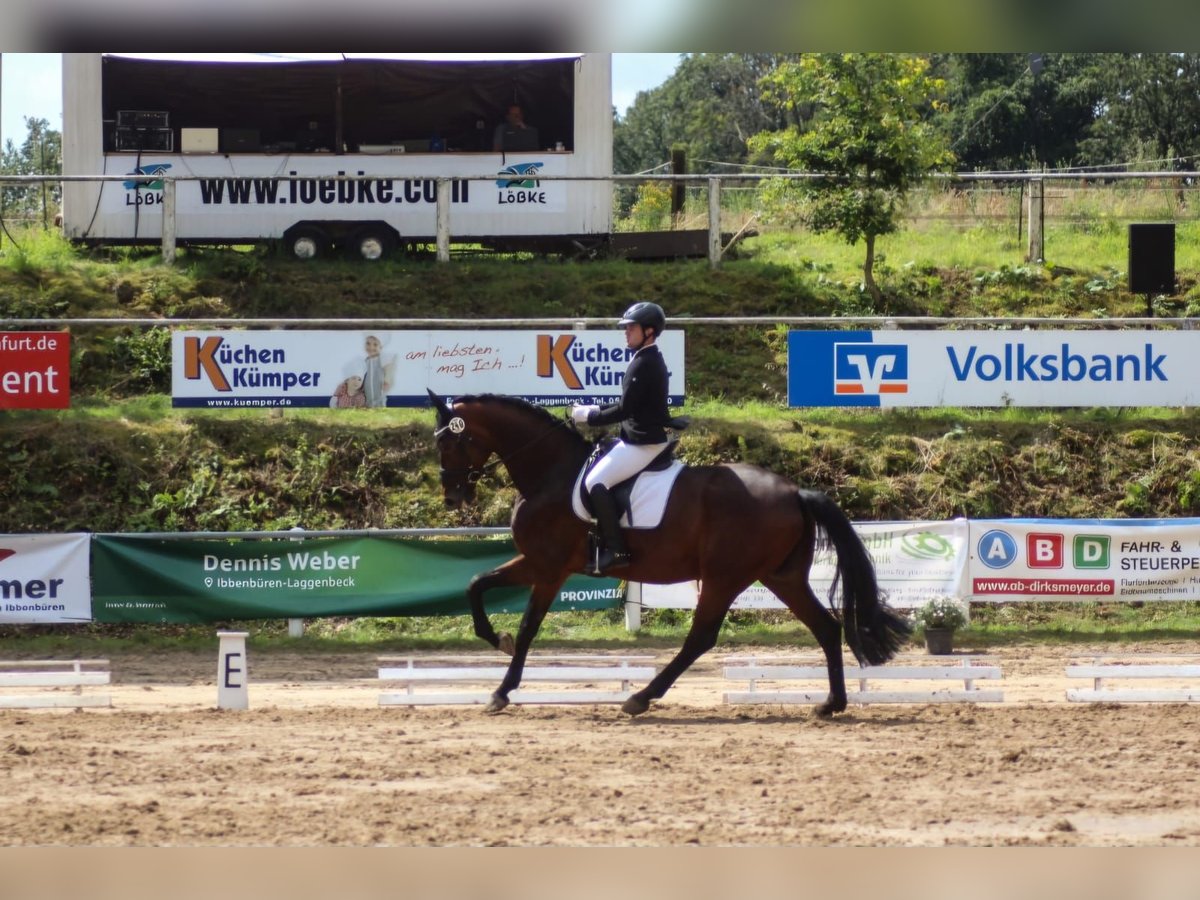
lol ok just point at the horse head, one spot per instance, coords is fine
(462, 452)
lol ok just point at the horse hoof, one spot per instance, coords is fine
(635, 706)
(507, 644)
(830, 708)
(496, 705)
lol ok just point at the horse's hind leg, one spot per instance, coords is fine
(711, 607)
(793, 589)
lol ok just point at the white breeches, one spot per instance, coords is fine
(621, 462)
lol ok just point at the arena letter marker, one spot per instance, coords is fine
(232, 686)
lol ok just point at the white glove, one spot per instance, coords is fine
(580, 413)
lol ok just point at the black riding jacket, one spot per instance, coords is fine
(642, 409)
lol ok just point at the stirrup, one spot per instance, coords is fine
(608, 559)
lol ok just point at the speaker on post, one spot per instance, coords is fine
(1152, 258)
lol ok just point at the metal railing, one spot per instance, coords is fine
(1033, 195)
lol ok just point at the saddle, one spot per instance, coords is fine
(622, 492)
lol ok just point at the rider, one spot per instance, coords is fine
(642, 412)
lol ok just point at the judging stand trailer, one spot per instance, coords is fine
(257, 143)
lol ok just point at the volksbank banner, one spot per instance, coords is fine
(993, 368)
(914, 562)
(363, 369)
(1082, 559)
(156, 581)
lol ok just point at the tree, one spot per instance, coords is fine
(709, 107)
(869, 141)
(1007, 113)
(39, 154)
(1151, 104)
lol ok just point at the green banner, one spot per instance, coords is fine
(152, 580)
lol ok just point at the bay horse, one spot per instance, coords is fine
(725, 525)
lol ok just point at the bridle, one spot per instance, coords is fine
(457, 426)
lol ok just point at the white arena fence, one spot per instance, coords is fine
(59, 683)
(578, 679)
(1162, 679)
(904, 680)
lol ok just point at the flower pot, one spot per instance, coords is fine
(939, 641)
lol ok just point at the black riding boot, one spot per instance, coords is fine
(614, 552)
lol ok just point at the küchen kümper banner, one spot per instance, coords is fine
(367, 369)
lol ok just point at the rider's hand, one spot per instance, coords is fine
(580, 413)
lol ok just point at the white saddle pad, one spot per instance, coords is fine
(649, 499)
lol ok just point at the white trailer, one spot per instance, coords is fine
(325, 152)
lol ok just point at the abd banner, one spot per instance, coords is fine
(152, 580)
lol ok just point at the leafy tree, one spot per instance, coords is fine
(39, 154)
(1008, 111)
(708, 107)
(1151, 105)
(870, 140)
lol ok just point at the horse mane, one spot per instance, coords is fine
(522, 405)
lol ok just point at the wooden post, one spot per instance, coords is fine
(443, 220)
(714, 223)
(678, 188)
(1037, 209)
(168, 221)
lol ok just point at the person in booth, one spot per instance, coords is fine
(514, 133)
(644, 417)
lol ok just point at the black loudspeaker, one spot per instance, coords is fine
(1152, 258)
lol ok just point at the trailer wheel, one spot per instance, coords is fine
(371, 243)
(306, 242)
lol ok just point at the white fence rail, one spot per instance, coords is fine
(54, 676)
(906, 683)
(478, 676)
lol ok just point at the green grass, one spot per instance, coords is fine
(992, 626)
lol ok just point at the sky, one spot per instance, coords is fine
(31, 86)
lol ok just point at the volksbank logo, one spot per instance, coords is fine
(863, 368)
(1018, 363)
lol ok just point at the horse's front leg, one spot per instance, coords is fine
(540, 599)
(515, 571)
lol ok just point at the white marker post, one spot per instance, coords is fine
(232, 684)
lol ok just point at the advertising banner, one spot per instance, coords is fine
(241, 194)
(44, 578)
(35, 370)
(157, 581)
(1085, 559)
(993, 368)
(914, 562)
(364, 369)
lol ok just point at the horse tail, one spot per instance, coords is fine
(874, 631)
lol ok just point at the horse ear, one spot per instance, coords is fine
(443, 411)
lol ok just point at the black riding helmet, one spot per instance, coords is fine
(648, 315)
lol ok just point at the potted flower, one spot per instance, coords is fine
(939, 619)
